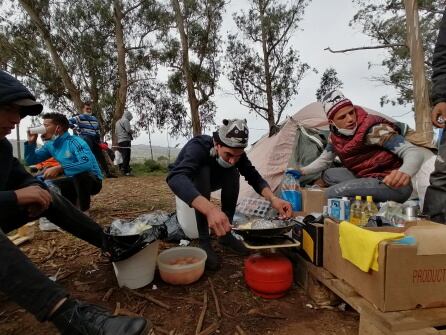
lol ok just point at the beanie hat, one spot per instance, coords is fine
(333, 102)
(232, 133)
(14, 92)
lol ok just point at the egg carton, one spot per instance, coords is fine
(254, 206)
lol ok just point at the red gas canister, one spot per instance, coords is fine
(268, 276)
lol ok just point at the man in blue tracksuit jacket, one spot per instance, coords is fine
(73, 153)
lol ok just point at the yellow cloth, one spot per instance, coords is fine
(360, 246)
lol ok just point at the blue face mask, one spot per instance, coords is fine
(223, 163)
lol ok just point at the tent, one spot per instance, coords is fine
(272, 155)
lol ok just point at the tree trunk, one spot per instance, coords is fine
(121, 91)
(423, 123)
(269, 93)
(60, 66)
(193, 101)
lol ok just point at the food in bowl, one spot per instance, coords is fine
(181, 265)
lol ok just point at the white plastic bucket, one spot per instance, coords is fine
(186, 218)
(138, 270)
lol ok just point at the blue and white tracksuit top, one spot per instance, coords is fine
(72, 152)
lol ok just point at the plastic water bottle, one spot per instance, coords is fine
(369, 209)
(290, 189)
(356, 211)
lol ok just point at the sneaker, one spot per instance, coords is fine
(230, 242)
(79, 318)
(212, 260)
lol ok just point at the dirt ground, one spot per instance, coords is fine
(89, 276)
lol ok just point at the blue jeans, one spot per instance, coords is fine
(343, 183)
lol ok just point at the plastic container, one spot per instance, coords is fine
(138, 270)
(290, 190)
(254, 206)
(268, 276)
(369, 209)
(186, 218)
(356, 211)
(181, 274)
(37, 130)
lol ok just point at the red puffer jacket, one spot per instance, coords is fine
(361, 159)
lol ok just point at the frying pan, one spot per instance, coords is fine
(280, 227)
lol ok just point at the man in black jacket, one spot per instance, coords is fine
(207, 164)
(435, 199)
(23, 199)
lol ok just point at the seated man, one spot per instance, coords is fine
(206, 164)
(22, 199)
(377, 160)
(87, 127)
(73, 154)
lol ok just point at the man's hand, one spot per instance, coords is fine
(35, 210)
(218, 221)
(283, 207)
(52, 172)
(33, 195)
(397, 179)
(32, 138)
(439, 110)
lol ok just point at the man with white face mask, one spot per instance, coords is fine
(207, 164)
(377, 160)
(72, 152)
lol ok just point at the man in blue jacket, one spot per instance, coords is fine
(87, 126)
(72, 152)
(207, 164)
(22, 199)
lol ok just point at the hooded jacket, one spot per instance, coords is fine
(122, 128)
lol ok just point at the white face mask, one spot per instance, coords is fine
(223, 163)
(344, 131)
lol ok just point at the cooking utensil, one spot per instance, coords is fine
(278, 227)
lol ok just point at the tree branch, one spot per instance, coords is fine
(366, 48)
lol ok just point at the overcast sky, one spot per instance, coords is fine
(325, 23)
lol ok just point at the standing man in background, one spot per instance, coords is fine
(87, 127)
(435, 199)
(124, 136)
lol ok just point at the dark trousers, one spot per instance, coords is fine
(93, 143)
(125, 150)
(212, 179)
(435, 199)
(20, 279)
(79, 188)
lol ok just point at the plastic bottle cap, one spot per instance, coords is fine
(369, 198)
(358, 197)
(344, 198)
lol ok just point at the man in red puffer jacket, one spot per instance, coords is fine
(377, 160)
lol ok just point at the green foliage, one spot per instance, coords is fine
(385, 22)
(263, 69)
(151, 165)
(329, 83)
(141, 169)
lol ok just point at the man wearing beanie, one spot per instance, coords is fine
(377, 160)
(22, 199)
(207, 164)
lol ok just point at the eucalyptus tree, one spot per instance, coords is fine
(329, 83)
(69, 51)
(191, 52)
(264, 70)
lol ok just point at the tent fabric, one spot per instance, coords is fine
(272, 155)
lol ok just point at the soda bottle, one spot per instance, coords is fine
(356, 211)
(369, 209)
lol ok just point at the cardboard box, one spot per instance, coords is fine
(406, 279)
(310, 236)
(313, 200)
